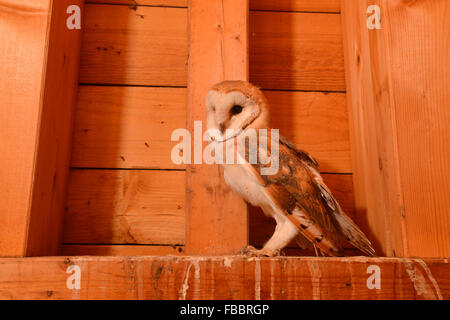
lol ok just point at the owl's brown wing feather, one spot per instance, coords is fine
(302, 155)
(344, 224)
(299, 190)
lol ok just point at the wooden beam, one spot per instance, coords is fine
(397, 81)
(227, 277)
(217, 221)
(38, 77)
(374, 170)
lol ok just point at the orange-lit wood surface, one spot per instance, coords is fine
(398, 91)
(216, 217)
(226, 277)
(39, 72)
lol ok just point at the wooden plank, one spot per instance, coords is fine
(262, 228)
(38, 85)
(20, 88)
(134, 46)
(421, 96)
(127, 127)
(317, 122)
(296, 51)
(217, 221)
(296, 5)
(155, 3)
(398, 125)
(125, 207)
(370, 132)
(55, 133)
(120, 250)
(226, 277)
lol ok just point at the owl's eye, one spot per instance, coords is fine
(236, 109)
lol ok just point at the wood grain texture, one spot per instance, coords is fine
(125, 207)
(374, 152)
(55, 133)
(262, 228)
(127, 127)
(296, 51)
(421, 95)
(217, 221)
(296, 5)
(134, 46)
(161, 250)
(155, 3)
(317, 122)
(228, 278)
(120, 250)
(398, 115)
(39, 74)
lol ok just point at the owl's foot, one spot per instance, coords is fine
(251, 251)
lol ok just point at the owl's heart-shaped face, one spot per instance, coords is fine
(234, 106)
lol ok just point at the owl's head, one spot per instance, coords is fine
(236, 105)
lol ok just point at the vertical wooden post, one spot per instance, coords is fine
(397, 82)
(217, 221)
(38, 84)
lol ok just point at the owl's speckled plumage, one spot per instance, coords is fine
(295, 196)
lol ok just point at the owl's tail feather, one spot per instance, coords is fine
(353, 233)
(343, 223)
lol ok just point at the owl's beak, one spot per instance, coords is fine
(232, 136)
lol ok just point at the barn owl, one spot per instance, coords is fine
(295, 195)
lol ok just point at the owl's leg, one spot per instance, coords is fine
(284, 233)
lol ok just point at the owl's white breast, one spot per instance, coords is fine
(244, 184)
(242, 181)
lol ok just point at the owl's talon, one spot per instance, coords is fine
(251, 251)
(247, 250)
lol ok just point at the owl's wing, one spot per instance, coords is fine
(298, 189)
(302, 155)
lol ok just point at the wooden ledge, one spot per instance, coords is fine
(225, 277)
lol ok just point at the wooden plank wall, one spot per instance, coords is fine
(126, 197)
(133, 94)
(223, 278)
(38, 88)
